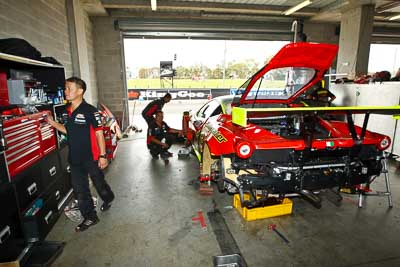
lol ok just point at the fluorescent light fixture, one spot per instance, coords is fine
(154, 5)
(297, 7)
(395, 17)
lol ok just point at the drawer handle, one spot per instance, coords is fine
(5, 234)
(53, 171)
(32, 189)
(47, 217)
(69, 169)
(57, 194)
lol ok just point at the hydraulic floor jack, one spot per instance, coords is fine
(366, 191)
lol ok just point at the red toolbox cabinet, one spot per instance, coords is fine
(23, 143)
(28, 139)
(48, 136)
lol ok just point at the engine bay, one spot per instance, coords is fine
(292, 126)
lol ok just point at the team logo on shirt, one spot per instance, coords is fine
(97, 116)
(80, 119)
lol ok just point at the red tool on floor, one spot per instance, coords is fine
(273, 228)
(200, 219)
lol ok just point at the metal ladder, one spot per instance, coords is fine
(386, 193)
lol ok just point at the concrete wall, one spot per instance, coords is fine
(43, 25)
(355, 39)
(109, 64)
(321, 33)
(385, 94)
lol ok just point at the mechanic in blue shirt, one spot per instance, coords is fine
(87, 152)
(160, 137)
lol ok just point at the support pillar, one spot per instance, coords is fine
(355, 40)
(79, 48)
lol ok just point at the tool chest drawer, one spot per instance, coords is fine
(28, 185)
(23, 143)
(50, 168)
(39, 219)
(48, 136)
(28, 139)
(58, 190)
(10, 225)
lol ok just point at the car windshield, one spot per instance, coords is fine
(280, 83)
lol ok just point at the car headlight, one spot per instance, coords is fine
(244, 149)
(384, 143)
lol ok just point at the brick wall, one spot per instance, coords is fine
(109, 64)
(42, 23)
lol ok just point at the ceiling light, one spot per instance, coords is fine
(394, 17)
(298, 7)
(154, 5)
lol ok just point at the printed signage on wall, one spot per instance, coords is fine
(133, 94)
(177, 94)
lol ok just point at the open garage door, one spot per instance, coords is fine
(194, 84)
(227, 30)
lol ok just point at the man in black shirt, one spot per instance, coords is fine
(160, 137)
(87, 152)
(150, 110)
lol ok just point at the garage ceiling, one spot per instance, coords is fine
(138, 16)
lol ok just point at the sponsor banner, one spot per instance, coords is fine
(177, 94)
(219, 92)
(133, 94)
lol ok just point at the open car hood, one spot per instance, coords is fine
(292, 71)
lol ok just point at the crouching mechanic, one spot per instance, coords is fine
(160, 137)
(87, 152)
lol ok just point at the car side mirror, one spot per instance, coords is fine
(197, 123)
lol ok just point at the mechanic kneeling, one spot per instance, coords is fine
(160, 137)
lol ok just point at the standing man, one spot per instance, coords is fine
(150, 110)
(87, 152)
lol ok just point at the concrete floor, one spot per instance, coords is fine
(150, 222)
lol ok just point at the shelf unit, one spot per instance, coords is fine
(33, 197)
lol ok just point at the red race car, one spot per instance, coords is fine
(264, 140)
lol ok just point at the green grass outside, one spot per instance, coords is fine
(188, 83)
(184, 83)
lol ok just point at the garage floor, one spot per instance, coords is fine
(150, 222)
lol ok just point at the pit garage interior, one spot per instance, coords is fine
(158, 217)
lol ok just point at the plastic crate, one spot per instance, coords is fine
(262, 212)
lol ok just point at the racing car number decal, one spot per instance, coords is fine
(217, 135)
